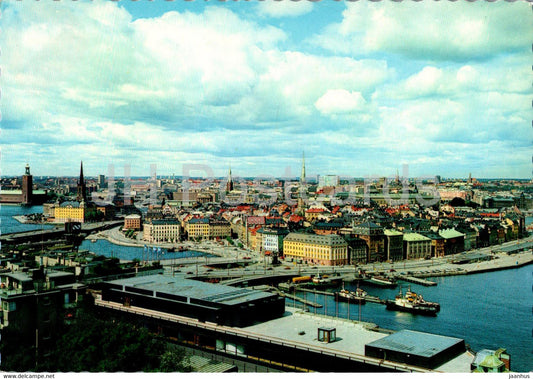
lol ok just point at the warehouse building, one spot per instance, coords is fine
(223, 305)
(416, 348)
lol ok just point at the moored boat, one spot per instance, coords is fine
(357, 296)
(381, 281)
(413, 303)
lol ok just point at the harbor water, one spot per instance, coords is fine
(106, 248)
(10, 225)
(488, 310)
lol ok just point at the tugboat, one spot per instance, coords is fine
(325, 281)
(413, 303)
(349, 296)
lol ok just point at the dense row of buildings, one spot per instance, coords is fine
(322, 233)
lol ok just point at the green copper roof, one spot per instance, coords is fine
(491, 361)
(412, 237)
(450, 233)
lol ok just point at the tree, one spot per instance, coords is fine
(174, 360)
(94, 344)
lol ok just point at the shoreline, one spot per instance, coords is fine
(499, 261)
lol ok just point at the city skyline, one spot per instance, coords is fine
(362, 88)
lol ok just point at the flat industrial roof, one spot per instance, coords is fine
(195, 289)
(416, 343)
(352, 336)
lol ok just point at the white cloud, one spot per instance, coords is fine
(284, 8)
(340, 101)
(442, 30)
(87, 80)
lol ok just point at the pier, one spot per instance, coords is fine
(369, 298)
(297, 298)
(412, 279)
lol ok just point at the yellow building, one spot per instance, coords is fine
(198, 228)
(328, 250)
(70, 211)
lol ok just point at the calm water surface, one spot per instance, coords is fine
(106, 248)
(488, 310)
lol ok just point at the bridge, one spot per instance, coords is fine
(56, 233)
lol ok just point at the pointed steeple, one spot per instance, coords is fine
(302, 178)
(229, 185)
(82, 180)
(301, 203)
(82, 190)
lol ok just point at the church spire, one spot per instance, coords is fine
(82, 190)
(229, 185)
(82, 180)
(301, 192)
(302, 178)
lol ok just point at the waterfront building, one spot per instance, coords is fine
(438, 243)
(416, 348)
(25, 194)
(471, 236)
(375, 239)
(219, 229)
(164, 230)
(454, 241)
(416, 246)
(272, 239)
(197, 228)
(289, 340)
(328, 250)
(206, 302)
(357, 250)
(393, 245)
(70, 211)
(35, 303)
(27, 187)
(132, 222)
(48, 210)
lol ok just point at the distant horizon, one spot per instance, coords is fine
(238, 177)
(363, 88)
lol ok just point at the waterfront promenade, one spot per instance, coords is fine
(434, 267)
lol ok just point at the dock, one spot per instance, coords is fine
(412, 279)
(297, 298)
(369, 298)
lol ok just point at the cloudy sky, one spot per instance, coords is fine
(363, 88)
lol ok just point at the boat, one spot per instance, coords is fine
(413, 303)
(325, 281)
(171, 249)
(350, 296)
(381, 281)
